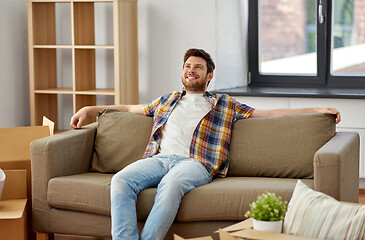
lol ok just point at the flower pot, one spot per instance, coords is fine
(268, 226)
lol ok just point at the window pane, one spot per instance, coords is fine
(287, 37)
(348, 37)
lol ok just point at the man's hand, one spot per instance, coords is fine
(332, 111)
(78, 118)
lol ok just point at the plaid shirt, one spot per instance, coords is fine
(212, 136)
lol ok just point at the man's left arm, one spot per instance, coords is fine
(258, 113)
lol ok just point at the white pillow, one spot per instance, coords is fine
(317, 215)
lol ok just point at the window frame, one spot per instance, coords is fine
(323, 79)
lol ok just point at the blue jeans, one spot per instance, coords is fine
(173, 175)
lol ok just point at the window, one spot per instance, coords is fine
(307, 43)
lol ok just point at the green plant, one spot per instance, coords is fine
(268, 207)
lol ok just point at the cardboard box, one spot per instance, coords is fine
(15, 148)
(15, 155)
(243, 230)
(13, 206)
(13, 219)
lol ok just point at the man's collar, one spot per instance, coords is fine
(205, 94)
(208, 94)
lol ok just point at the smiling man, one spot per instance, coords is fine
(189, 145)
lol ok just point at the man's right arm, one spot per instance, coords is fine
(93, 111)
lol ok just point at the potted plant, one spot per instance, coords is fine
(267, 212)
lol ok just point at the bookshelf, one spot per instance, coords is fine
(79, 52)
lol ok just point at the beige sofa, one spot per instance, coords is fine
(71, 171)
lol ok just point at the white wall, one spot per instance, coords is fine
(14, 84)
(232, 50)
(166, 29)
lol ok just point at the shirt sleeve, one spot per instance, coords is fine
(150, 108)
(242, 110)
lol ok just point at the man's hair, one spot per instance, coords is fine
(193, 52)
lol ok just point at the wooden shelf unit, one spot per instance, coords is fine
(81, 53)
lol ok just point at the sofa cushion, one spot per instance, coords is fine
(86, 192)
(121, 138)
(90, 192)
(316, 215)
(229, 198)
(280, 146)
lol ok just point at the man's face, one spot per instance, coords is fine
(195, 77)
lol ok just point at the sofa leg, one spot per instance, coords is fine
(45, 236)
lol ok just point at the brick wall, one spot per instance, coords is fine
(282, 28)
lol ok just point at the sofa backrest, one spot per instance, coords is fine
(270, 147)
(280, 146)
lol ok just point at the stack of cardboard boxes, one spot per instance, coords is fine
(15, 204)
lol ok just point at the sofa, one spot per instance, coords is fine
(72, 170)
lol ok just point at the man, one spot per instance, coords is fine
(188, 147)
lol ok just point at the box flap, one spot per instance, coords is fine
(223, 235)
(239, 226)
(50, 124)
(12, 209)
(15, 142)
(176, 237)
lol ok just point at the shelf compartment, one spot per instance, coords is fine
(103, 15)
(93, 23)
(51, 23)
(84, 69)
(52, 68)
(45, 68)
(104, 73)
(44, 23)
(84, 32)
(46, 105)
(89, 78)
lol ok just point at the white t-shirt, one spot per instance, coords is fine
(178, 131)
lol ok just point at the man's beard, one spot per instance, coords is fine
(195, 86)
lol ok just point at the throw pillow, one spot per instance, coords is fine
(280, 146)
(317, 215)
(121, 138)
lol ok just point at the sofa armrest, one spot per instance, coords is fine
(63, 154)
(336, 167)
